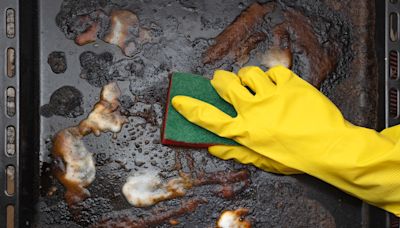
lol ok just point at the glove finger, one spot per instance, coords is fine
(229, 87)
(256, 80)
(204, 115)
(279, 74)
(245, 155)
(392, 133)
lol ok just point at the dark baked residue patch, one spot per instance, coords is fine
(65, 101)
(76, 16)
(95, 68)
(126, 101)
(57, 62)
(100, 69)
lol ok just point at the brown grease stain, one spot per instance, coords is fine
(321, 61)
(238, 37)
(107, 106)
(156, 218)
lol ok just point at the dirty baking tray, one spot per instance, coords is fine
(49, 82)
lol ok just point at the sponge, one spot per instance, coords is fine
(178, 131)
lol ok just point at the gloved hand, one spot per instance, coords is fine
(245, 155)
(293, 124)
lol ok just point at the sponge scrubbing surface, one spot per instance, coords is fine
(179, 131)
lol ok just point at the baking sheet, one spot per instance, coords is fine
(186, 30)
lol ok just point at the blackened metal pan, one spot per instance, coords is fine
(32, 197)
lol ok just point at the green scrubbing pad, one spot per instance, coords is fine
(176, 129)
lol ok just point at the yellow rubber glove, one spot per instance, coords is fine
(292, 123)
(245, 155)
(393, 133)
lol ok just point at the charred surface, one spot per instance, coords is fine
(77, 16)
(65, 101)
(184, 31)
(316, 50)
(239, 35)
(96, 68)
(156, 218)
(73, 164)
(57, 62)
(316, 61)
(120, 27)
(100, 69)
